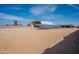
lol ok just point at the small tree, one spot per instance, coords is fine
(7, 24)
(15, 22)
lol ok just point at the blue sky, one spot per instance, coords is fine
(25, 13)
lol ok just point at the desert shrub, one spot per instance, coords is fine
(66, 26)
(28, 24)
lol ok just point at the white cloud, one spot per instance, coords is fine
(45, 12)
(15, 8)
(41, 9)
(12, 8)
(74, 6)
(10, 17)
(51, 17)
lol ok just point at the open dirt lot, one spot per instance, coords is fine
(23, 40)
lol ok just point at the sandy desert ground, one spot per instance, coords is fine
(29, 40)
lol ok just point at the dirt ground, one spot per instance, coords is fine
(28, 40)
